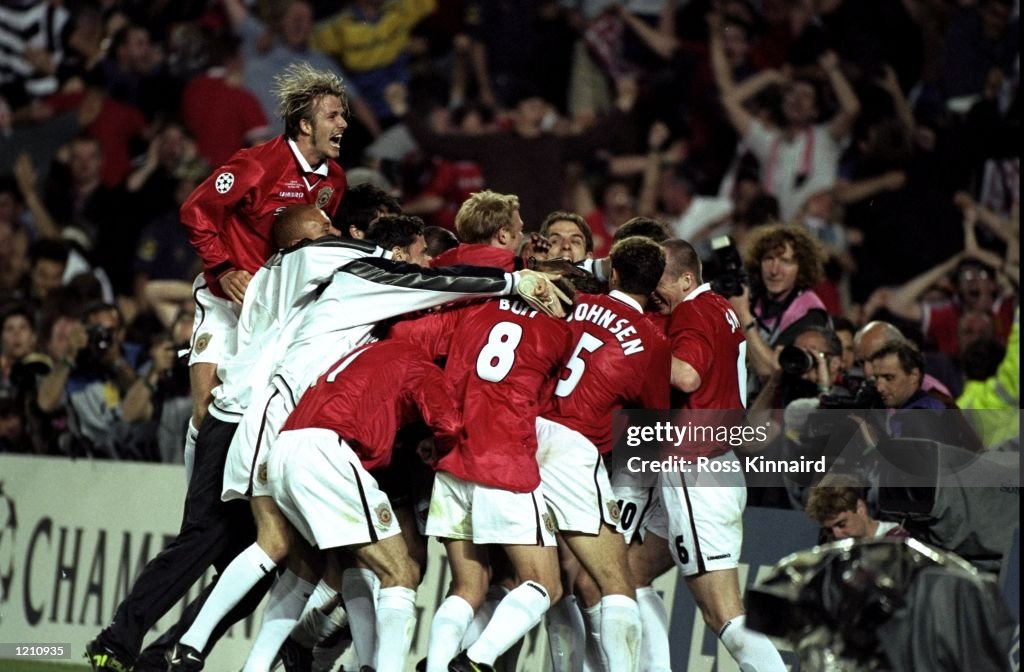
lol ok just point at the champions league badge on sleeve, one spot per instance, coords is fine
(323, 197)
(224, 183)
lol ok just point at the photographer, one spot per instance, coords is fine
(784, 262)
(811, 366)
(91, 381)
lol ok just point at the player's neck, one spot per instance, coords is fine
(642, 299)
(312, 156)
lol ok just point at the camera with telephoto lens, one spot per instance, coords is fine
(101, 340)
(794, 361)
(854, 392)
(732, 276)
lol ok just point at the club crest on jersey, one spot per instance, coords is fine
(202, 342)
(261, 473)
(323, 197)
(384, 516)
(613, 511)
(224, 182)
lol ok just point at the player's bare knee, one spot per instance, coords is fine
(616, 583)
(397, 572)
(717, 612)
(471, 589)
(551, 582)
(587, 590)
(553, 589)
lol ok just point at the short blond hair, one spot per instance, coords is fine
(484, 214)
(298, 91)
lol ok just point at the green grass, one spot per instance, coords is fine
(33, 666)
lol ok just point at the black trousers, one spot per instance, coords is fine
(153, 657)
(212, 533)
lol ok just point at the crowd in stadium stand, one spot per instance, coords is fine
(885, 134)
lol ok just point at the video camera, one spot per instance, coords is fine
(732, 276)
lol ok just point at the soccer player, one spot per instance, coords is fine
(703, 525)
(490, 232)
(230, 215)
(502, 360)
(619, 361)
(344, 426)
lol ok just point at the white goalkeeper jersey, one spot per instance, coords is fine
(274, 301)
(366, 292)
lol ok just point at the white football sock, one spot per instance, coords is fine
(495, 594)
(620, 632)
(654, 641)
(396, 620)
(326, 656)
(307, 631)
(449, 626)
(752, 650)
(284, 606)
(594, 659)
(359, 591)
(237, 579)
(515, 616)
(566, 635)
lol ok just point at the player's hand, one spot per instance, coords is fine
(539, 290)
(536, 246)
(234, 283)
(570, 273)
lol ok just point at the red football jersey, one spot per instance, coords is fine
(478, 254)
(372, 392)
(706, 334)
(619, 361)
(503, 359)
(230, 215)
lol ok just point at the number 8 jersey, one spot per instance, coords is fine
(503, 362)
